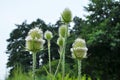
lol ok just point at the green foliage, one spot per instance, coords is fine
(18, 74)
(103, 38)
(101, 30)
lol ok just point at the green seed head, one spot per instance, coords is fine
(67, 15)
(36, 33)
(79, 43)
(62, 30)
(34, 40)
(60, 41)
(34, 46)
(79, 49)
(48, 35)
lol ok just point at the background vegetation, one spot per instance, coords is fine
(101, 30)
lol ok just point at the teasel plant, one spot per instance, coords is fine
(34, 43)
(48, 36)
(60, 41)
(66, 18)
(79, 52)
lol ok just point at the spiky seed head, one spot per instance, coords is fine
(48, 35)
(35, 33)
(79, 49)
(66, 15)
(34, 40)
(62, 30)
(60, 41)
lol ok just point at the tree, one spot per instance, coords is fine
(102, 34)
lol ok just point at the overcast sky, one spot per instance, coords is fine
(16, 11)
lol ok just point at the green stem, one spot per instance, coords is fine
(49, 57)
(63, 65)
(59, 62)
(63, 54)
(34, 65)
(79, 69)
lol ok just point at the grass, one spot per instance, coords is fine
(18, 74)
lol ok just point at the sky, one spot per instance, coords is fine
(17, 11)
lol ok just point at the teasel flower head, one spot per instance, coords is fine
(60, 41)
(79, 49)
(63, 30)
(34, 40)
(66, 15)
(48, 35)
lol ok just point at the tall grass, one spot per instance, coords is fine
(19, 74)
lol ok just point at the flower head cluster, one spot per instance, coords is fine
(79, 49)
(67, 15)
(34, 40)
(48, 35)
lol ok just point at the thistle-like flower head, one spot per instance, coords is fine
(60, 41)
(48, 35)
(79, 43)
(79, 49)
(36, 33)
(62, 30)
(34, 40)
(66, 15)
